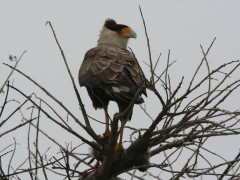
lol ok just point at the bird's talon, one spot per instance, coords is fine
(105, 136)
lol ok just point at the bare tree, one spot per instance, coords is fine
(189, 116)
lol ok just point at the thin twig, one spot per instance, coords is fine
(12, 71)
(149, 49)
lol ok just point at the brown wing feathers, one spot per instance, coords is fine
(113, 70)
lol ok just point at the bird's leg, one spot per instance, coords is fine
(119, 146)
(107, 132)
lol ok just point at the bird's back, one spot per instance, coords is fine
(111, 73)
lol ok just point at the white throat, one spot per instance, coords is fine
(112, 38)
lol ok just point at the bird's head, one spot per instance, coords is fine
(115, 34)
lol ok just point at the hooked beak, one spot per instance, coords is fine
(128, 33)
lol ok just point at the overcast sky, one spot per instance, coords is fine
(178, 25)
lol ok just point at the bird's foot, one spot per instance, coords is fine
(105, 136)
(107, 133)
(119, 148)
(101, 137)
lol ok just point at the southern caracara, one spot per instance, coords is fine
(111, 73)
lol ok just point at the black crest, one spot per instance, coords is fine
(112, 25)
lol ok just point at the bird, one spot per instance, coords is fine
(110, 72)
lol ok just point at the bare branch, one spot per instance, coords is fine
(72, 80)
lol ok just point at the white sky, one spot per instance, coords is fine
(177, 25)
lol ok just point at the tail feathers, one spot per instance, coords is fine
(124, 93)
